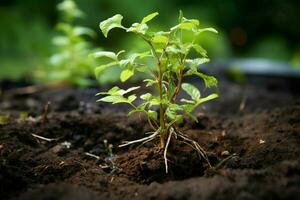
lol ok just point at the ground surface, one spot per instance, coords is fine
(252, 133)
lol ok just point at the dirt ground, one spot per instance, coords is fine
(251, 134)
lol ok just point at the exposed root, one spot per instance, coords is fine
(44, 138)
(166, 148)
(177, 135)
(145, 139)
(195, 145)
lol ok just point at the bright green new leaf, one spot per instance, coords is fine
(149, 17)
(207, 29)
(160, 39)
(126, 74)
(191, 90)
(110, 23)
(138, 28)
(114, 99)
(208, 98)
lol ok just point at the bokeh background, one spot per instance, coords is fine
(248, 29)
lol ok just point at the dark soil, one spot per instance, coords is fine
(252, 135)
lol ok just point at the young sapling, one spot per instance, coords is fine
(70, 64)
(169, 55)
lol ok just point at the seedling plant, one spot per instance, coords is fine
(167, 62)
(70, 64)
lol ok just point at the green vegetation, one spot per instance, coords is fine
(167, 62)
(71, 64)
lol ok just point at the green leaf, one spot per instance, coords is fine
(114, 99)
(208, 98)
(130, 89)
(187, 101)
(191, 90)
(126, 74)
(117, 91)
(138, 28)
(110, 23)
(194, 63)
(180, 17)
(131, 98)
(146, 96)
(200, 50)
(101, 68)
(172, 110)
(149, 17)
(187, 24)
(160, 39)
(150, 82)
(209, 81)
(152, 114)
(206, 30)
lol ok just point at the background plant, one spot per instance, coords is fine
(167, 63)
(71, 64)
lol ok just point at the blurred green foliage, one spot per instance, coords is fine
(257, 28)
(71, 63)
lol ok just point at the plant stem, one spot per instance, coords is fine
(180, 79)
(161, 108)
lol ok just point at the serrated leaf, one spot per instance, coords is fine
(126, 74)
(149, 17)
(191, 90)
(110, 23)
